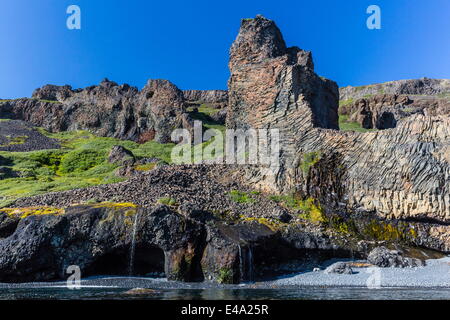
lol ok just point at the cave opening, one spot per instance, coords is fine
(146, 261)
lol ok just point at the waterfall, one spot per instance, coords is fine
(246, 263)
(133, 246)
(241, 262)
(250, 263)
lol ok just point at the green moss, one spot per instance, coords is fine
(241, 197)
(168, 201)
(343, 103)
(343, 226)
(309, 160)
(225, 276)
(272, 224)
(384, 231)
(145, 167)
(115, 205)
(15, 140)
(81, 160)
(310, 208)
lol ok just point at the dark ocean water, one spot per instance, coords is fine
(103, 289)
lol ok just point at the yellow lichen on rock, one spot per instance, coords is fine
(115, 205)
(32, 211)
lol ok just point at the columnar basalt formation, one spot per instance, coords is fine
(109, 109)
(275, 87)
(400, 173)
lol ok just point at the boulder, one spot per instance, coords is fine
(220, 116)
(339, 268)
(119, 155)
(385, 258)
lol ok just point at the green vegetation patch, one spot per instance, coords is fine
(15, 140)
(168, 201)
(81, 162)
(241, 197)
(345, 125)
(343, 103)
(309, 208)
(225, 276)
(309, 160)
(384, 231)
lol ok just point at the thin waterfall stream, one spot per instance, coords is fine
(133, 245)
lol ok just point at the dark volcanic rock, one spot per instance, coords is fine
(216, 98)
(121, 239)
(109, 109)
(383, 257)
(384, 111)
(424, 86)
(220, 116)
(339, 268)
(53, 93)
(121, 156)
(19, 136)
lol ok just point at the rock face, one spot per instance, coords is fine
(270, 83)
(424, 86)
(402, 173)
(109, 109)
(275, 87)
(384, 111)
(383, 257)
(188, 245)
(216, 98)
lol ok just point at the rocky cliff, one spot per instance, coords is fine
(109, 110)
(402, 173)
(424, 86)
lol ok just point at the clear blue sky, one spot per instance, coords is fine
(187, 42)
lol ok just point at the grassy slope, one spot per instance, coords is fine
(81, 162)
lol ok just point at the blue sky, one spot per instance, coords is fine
(187, 42)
